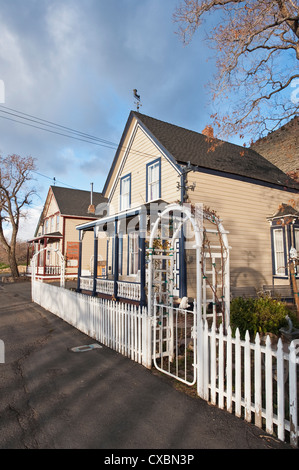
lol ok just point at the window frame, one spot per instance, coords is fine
(276, 274)
(133, 262)
(148, 166)
(121, 194)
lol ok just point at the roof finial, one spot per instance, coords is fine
(137, 98)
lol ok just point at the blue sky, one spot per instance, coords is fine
(75, 63)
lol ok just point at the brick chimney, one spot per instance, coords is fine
(91, 208)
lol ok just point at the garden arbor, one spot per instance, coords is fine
(206, 252)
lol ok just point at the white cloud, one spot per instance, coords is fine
(76, 63)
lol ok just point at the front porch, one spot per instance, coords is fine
(47, 266)
(119, 257)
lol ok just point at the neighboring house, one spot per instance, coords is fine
(64, 209)
(157, 161)
(281, 147)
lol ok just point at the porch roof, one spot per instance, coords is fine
(120, 215)
(53, 236)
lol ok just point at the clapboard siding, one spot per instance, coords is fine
(142, 152)
(243, 208)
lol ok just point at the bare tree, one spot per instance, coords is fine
(15, 173)
(257, 47)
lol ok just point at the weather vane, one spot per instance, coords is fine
(137, 102)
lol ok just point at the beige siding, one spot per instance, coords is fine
(51, 209)
(142, 152)
(243, 208)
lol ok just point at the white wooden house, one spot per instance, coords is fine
(159, 162)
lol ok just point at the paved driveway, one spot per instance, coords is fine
(53, 398)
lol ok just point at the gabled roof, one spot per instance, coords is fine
(75, 202)
(72, 202)
(208, 154)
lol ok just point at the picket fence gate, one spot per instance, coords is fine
(257, 382)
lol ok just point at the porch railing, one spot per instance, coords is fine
(128, 290)
(125, 289)
(45, 271)
(52, 270)
(105, 286)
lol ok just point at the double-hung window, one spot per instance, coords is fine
(279, 252)
(125, 192)
(153, 180)
(133, 250)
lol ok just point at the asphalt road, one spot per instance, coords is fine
(54, 398)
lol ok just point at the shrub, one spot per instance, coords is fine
(261, 315)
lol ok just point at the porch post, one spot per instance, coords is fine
(183, 267)
(142, 236)
(95, 261)
(38, 256)
(80, 261)
(183, 271)
(45, 256)
(27, 261)
(116, 243)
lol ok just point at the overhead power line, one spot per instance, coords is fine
(48, 125)
(58, 129)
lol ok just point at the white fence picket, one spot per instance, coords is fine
(247, 377)
(258, 382)
(293, 395)
(269, 387)
(238, 355)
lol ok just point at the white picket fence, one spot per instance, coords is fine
(254, 381)
(122, 327)
(257, 382)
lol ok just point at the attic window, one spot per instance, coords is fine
(125, 192)
(153, 180)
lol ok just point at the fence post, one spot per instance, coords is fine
(221, 359)
(280, 391)
(200, 358)
(229, 375)
(238, 373)
(213, 364)
(258, 382)
(247, 377)
(269, 387)
(293, 394)
(206, 358)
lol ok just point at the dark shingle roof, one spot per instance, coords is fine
(188, 146)
(75, 201)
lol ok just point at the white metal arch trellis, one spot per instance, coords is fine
(196, 218)
(169, 321)
(33, 263)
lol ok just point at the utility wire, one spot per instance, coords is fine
(58, 133)
(78, 135)
(56, 181)
(51, 124)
